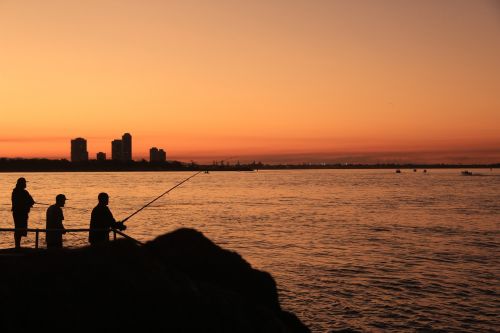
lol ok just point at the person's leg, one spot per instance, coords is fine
(20, 222)
(17, 240)
(17, 234)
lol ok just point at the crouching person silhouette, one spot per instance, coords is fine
(102, 220)
(55, 218)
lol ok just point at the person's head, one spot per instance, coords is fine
(21, 182)
(60, 200)
(103, 198)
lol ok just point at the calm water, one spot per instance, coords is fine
(366, 249)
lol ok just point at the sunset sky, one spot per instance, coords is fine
(275, 80)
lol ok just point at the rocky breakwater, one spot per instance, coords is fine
(179, 282)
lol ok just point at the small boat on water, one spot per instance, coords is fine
(466, 173)
(398, 171)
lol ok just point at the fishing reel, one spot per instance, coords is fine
(120, 226)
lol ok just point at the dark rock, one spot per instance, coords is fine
(180, 282)
(191, 252)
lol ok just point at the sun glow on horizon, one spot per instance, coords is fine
(273, 79)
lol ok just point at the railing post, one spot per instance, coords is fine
(114, 235)
(36, 238)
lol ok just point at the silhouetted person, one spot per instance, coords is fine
(102, 220)
(54, 220)
(21, 205)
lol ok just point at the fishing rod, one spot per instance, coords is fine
(167, 191)
(161, 195)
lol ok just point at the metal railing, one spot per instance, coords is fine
(37, 232)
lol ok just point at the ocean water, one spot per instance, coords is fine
(367, 249)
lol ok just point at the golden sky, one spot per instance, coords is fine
(274, 79)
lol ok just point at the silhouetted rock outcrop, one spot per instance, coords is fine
(191, 252)
(180, 282)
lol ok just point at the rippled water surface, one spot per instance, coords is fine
(367, 249)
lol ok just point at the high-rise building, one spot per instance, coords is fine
(157, 155)
(100, 156)
(162, 155)
(121, 150)
(117, 150)
(153, 154)
(79, 150)
(127, 147)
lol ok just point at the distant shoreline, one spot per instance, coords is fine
(46, 165)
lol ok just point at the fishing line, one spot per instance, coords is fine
(65, 207)
(45, 204)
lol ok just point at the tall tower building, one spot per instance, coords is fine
(117, 150)
(153, 154)
(162, 155)
(127, 147)
(79, 150)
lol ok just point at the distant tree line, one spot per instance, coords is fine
(49, 165)
(377, 166)
(62, 165)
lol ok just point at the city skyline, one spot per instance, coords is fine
(467, 155)
(121, 151)
(365, 81)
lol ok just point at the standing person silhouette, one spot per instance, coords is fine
(21, 205)
(102, 220)
(54, 220)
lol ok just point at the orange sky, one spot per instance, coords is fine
(278, 80)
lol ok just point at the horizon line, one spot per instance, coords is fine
(304, 163)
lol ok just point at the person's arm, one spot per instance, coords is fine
(110, 219)
(13, 200)
(61, 219)
(93, 219)
(31, 202)
(48, 218)
(114, 224)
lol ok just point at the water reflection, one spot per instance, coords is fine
(366, 249)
